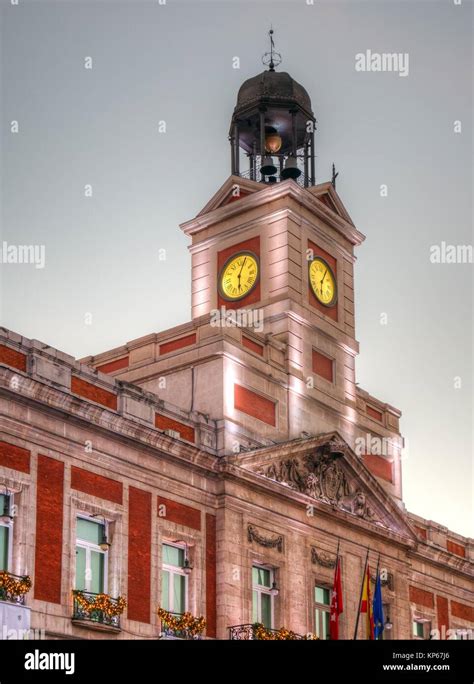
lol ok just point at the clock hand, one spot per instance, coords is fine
(239, 273)
(321, 282)
(242, 266)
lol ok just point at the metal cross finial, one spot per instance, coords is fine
(272, 58)
(334, 176)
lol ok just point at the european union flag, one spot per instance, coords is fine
(378, 608)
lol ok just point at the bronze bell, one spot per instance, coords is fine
(268, 168)
(291, 169)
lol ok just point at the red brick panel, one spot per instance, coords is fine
(373, 413)
(421, 532)
(177, 344)
(458, 549)
(179, 513)
(323, 366)
(49, 529)
(139, 555)
(443, 612)
(14, 457)
(11, 357)
(94, 393)
(211, 574)
(165, 423)
(252, 245)
(462, 611)
(379, 466)
(330, 311)
(112, 366)
(254, 346)
(422, 597)
(254, 405)
(96, 485)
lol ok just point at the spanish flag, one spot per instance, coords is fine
(366, 605)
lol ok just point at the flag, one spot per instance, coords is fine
(366, 605)
(378, 608)
(336, 602)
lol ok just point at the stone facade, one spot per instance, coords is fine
(252, 447)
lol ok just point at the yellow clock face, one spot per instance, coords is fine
(239, 276)
(322, 281)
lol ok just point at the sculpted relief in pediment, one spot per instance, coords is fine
(321, 476)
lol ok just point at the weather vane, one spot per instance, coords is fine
(334, 176)
(271, 59)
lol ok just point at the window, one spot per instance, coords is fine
(421, 629)
(5, 534)
(174, 589)
(91, 561)
(322, 611)
(262, 599)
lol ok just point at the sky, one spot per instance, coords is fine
(89, 176)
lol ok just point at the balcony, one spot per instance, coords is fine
(13, 588)
(258, 632)
(99, 611)
(180, 625)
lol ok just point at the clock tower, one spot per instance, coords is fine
(269, 354)
(277, 250)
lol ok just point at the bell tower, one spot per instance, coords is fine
(273, 127)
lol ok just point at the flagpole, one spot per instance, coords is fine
(361, 592)
(376, 579)
(335, 608)
(377, 571)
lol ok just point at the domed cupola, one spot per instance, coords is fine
(273, 125)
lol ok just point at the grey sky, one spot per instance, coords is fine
(173, 62)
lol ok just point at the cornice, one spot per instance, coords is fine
(256, 222)
(443, 559)
(71, 407)
(269, 194)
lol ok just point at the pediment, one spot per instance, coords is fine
(236, 187)
(327, 195)
(232, 190)
(327, 471)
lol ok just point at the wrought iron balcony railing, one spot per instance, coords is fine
(97, 608)
(176, 628)
(251, 632)
(13, 588)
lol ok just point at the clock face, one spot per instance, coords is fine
(322, 281)
(239, 276)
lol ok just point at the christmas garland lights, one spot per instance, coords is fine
(261, 633)
(12, 586)
(103, 602)
(186, 622)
